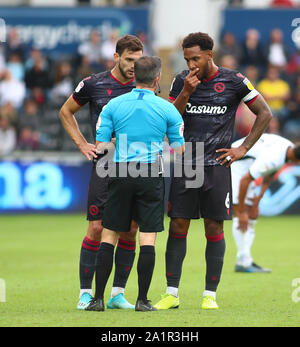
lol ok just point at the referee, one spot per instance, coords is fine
(143, 119)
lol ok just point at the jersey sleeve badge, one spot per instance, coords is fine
(248, 83)
(79, 87)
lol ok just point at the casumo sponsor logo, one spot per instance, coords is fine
(205, 109)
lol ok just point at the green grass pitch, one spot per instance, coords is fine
(39, 265)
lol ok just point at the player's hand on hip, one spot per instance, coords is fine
(88, 150)
(230, 155)
(191, 81)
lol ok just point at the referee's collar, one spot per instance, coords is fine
(141, 90)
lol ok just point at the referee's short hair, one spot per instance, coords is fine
(146, 69)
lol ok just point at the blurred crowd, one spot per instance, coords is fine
(274, 71)
(33, 87)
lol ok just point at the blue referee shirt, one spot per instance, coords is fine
(140, 120)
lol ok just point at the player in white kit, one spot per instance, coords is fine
(264, 159)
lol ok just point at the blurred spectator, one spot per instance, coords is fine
(38, 81)
(291, 128)
(293, 65)
(235, 3)
(92, 49)
(148, 50)
(28, 139)
(252, 74)
(252, 50)
(39, 95)
(229, 62)
(8, 111)
(277, 53)
(137, 2)
(109, 64)
(109, 45)
(63, 83)
(282, 3)
(30, 117)
(29, 125)
(243, 121)
(274, 126)
(2, 59)
(84, 70)
(14, 45)
(116, 2)
(7, 136)
(177, 61)
(229, 46)
(11, 90)
(275, 91)
(296, 84)
(37, 76)
(16, 66)
(35, 55)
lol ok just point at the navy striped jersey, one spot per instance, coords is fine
(98, 90)
(209, 116)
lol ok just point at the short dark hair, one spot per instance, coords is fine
(203, 40)
(146, 69)
(130, 42)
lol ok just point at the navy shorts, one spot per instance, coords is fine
(97, 196)
(213, 200)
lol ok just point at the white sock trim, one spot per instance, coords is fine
(82, 291)
(210, 293)
(172, 291)
(116, 291)
(252, 222)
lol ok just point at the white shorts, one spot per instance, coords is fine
(238, 170)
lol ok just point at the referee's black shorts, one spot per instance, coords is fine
(135, 198)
